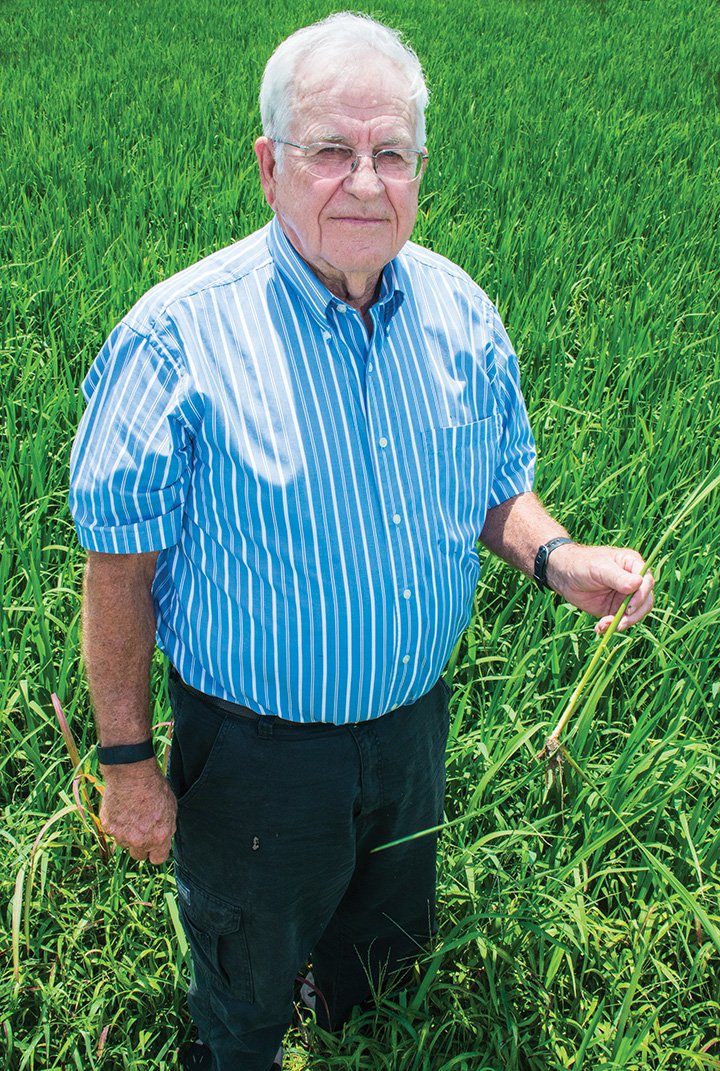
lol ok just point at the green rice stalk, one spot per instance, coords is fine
(17, 902)
(80, 781)
(165, 752)
(35, 854)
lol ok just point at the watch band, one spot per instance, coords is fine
(123, 754)
(541, 560)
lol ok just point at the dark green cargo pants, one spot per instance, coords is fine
(274, 861)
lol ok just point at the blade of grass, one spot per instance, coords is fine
(79, 782)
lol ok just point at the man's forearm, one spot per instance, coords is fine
(118, 644)
(515, 530)
(138, 809)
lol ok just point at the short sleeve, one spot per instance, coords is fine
(132, 457)
(515, 470)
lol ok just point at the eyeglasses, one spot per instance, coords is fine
(327, 160)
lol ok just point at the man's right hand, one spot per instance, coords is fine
(138, 809)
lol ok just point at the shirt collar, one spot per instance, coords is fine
(313, 293)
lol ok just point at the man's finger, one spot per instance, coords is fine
(636, 611)
(159, 855)
(144, 853)
(640, 604)
(623, 580)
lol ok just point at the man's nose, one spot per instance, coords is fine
(364, 177)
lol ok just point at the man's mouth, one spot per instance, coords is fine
(360, 219)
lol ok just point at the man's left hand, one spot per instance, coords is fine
(597, 579)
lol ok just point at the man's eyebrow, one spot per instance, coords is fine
(334, 139)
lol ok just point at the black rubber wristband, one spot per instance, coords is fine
(125, 753)
(541, 560)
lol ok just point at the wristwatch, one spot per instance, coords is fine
(124, 754)
(541, 560)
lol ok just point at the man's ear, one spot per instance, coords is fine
(267, 163)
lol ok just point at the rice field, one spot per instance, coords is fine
(574, 150)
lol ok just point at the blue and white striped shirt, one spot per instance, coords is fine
(316, 493)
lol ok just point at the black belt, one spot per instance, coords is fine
(237, 710)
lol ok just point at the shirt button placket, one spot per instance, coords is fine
(396, 523)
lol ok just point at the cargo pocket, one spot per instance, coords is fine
(216, 935)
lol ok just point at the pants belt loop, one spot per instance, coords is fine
(265, 726)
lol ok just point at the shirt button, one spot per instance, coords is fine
(382, 441)
(406, 659)
(396, 518)
(341, 308)
(371, 368)
(407, 593)
(326, 335)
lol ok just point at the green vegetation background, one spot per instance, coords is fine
(574, 153)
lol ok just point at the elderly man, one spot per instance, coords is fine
(289, 453)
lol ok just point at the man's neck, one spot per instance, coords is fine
(358, 289)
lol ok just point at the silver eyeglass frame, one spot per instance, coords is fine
(357, 156)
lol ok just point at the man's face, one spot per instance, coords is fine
(352, 227)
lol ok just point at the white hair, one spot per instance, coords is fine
(331, 43)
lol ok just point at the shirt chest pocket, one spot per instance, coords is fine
(460, 463)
